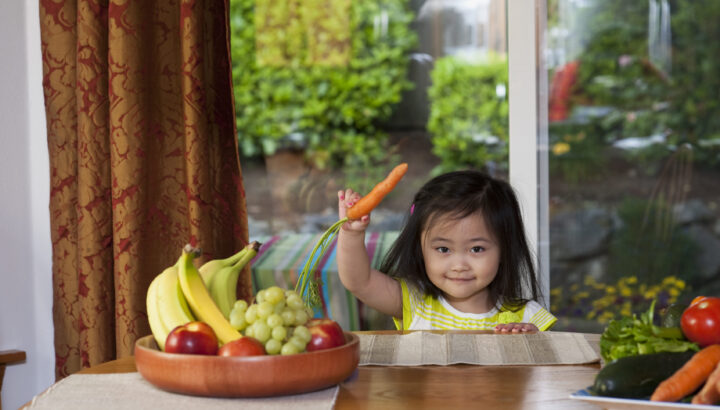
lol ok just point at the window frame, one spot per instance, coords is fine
(528, 131)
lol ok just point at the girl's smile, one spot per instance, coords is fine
(462, 258)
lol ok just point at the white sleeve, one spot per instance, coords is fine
(536, 314)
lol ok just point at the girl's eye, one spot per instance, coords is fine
(442, 249)
(477, 249)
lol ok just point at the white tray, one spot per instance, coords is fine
(634, 404)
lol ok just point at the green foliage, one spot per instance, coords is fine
(577, 151)
(318, 75)
(634, 335)
(646, 245)
(468, 119)
(680, 103)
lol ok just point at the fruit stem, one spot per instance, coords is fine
(195, 252)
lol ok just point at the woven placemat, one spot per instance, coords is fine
(130, 391)
(429, 348)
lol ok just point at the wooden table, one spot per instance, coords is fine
(448, 387)
(9, 357)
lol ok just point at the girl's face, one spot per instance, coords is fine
(462, 258)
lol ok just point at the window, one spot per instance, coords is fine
(634, 152)
(334, 93)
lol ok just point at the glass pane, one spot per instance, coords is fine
(334, 93)
(634, 156)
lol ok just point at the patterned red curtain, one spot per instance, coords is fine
(143, 159)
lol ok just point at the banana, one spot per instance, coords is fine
(223, 286)
(156, 326)
(173, 307)
(199, 299)
(210, 268)
(166, 305)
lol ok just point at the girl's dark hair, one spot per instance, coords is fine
(459, 194)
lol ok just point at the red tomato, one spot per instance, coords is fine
(701, 321)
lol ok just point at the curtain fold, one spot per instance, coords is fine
(143, 159)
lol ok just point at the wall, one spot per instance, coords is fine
(25, 249)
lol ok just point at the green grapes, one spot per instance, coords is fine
(277, 319)
(274, 295)
(279, 333)
(261, 331)
(273, 346)
(274, 320)
(265, 309)
(303, 333)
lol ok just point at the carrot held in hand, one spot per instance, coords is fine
(308, 289)
(371, 200)
(689, 377)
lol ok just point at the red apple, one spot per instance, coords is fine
(245, 346)
(192, 338)
(326, 333)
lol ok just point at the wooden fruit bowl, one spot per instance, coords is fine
(252, 376)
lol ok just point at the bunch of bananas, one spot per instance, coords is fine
(183, 293)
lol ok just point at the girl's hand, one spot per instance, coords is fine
(516, 328)
(346, 199)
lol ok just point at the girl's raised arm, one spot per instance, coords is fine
(371, 286)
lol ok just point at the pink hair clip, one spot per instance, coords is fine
(412, 209)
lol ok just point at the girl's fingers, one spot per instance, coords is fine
(346, 199)
(515, 328)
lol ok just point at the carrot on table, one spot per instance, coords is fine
(710, 393)
(371, 200)
(689, 377)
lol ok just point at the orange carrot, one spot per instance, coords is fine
(710, 393)
(689, 377)
(371, 200)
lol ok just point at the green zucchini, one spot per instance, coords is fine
(636, 377)
(671, 315)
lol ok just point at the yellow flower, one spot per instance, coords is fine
(625, 291)
(560, 148)
(632, 279)
(611, 289)
(605, 317)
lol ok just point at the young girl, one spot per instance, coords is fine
(461, 261)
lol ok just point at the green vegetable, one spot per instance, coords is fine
(637, 376)
(630, 336)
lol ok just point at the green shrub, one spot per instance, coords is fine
(577, 152)
(469, 113)
(679, 101)
(647, 245)
(318, 76)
